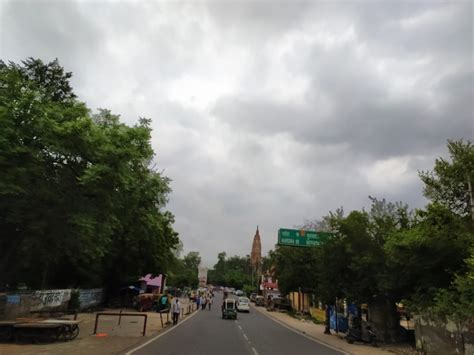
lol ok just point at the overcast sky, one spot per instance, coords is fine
(267, 113)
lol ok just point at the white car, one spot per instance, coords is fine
(243, 304)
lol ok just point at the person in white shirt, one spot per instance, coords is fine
(176, 309)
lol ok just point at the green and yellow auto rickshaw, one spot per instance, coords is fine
(229, 309)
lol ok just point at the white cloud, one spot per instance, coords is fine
(389, 174)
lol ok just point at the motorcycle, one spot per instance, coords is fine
(356, 333)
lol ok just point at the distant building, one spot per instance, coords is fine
(267, 283)
(256, 255)
(150, 284)
(202, 276)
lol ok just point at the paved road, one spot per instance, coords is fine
(252, 333)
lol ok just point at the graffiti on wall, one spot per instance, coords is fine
(89, 298)
(53, 298)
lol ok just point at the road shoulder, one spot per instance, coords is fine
(316, 333)
(164, 332)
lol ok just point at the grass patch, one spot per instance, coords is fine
(306, 317)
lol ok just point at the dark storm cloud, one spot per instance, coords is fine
(264, 112)
(413, 28)
(47, 30)
(257, 20)
(365, 113)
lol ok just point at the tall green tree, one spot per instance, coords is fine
(355, 259)
(192, 260)
(79, 204)
(232, 272)
(184, 272)
(295, 268)
(451, 182)
(457, 301)
(438, 250)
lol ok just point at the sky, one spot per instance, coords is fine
(267, 113)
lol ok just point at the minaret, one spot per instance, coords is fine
(256, 255)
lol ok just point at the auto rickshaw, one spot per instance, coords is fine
(229, 309)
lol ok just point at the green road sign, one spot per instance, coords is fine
(301, 238)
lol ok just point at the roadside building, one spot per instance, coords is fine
(151, 284)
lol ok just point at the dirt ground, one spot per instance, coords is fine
(111, 337)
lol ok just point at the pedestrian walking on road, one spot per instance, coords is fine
(203, 303)
(176, 309)
(209, 302)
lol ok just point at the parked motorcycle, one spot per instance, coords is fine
(357, 333)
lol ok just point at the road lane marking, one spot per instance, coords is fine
(247, 338)
(161, 334)
(304, 334)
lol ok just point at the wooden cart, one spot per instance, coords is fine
(38, 331)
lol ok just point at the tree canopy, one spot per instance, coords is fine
(184, 271)
(79, 203)
(391, 254)
(235, 271)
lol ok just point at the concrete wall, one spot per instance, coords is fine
(91, 298)
(437, 337)
(300, 301)
(21, 304)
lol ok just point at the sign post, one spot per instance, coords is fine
(301, 238)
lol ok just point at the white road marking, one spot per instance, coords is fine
(161, 334)
(246, 338)
(240, 327)
(254, 351)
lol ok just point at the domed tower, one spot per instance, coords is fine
(256, 255)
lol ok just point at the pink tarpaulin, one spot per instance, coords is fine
(152, 281)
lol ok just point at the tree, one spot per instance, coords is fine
(457, 301)
(192, 261)
(232, 272)
(353, 263)
(451, 182)
(184, 272)
(217, 274)
(426, 257)
(79, 204)
(295, 268)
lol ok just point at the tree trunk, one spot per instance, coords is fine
(384, 317)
